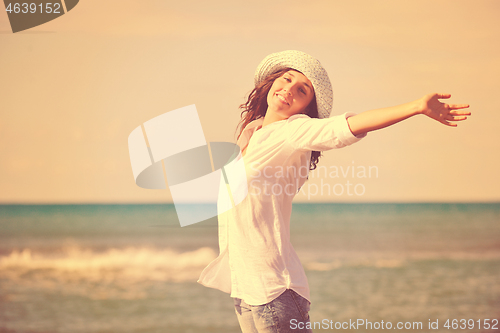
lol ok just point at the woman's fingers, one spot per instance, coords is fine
(455, 106)
(443, 95)
(447, 114)
(460, 113)
(458, 106)
(455, 118)
(448, 123)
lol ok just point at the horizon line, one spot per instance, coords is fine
(300, 202)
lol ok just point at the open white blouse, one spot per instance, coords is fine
(257, 261)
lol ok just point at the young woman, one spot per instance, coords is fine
(285, 125)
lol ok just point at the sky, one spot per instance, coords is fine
(73, 89)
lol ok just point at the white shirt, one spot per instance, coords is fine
(257, 261)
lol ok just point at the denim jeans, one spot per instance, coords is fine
(286, 314)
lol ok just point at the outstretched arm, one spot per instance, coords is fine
(428, 105)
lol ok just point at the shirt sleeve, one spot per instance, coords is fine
(305, 133)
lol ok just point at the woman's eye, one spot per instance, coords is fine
(302, 91)
(286, 78)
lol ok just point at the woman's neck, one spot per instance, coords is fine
(270, 118)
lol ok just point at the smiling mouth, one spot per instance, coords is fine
(282, 99)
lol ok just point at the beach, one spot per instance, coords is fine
(132, 268)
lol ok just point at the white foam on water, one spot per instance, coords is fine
(389, 259)
(116, 273)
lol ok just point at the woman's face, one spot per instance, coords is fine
(290, 94)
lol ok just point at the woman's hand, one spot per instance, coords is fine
(429, 105)
(444, 113)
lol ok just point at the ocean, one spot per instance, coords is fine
(132, 268)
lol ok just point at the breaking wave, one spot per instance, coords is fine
(121, 273)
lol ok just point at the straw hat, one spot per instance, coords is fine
(308, 66)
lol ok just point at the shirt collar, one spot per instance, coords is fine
(256, 124)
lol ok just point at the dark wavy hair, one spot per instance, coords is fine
(256, 107)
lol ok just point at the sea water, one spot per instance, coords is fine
(132, 268)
